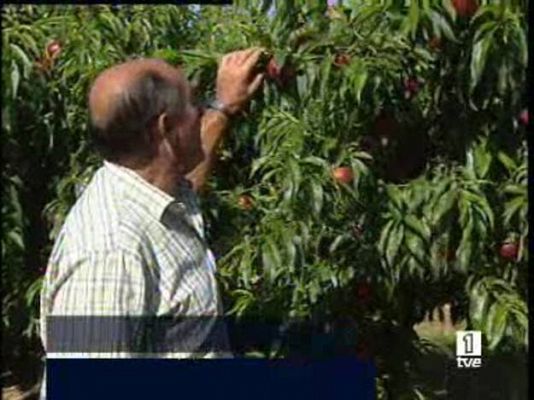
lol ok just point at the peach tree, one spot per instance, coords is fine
(380, 173)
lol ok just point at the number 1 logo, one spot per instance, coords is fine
(468, 343)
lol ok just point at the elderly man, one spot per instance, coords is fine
(133, 244)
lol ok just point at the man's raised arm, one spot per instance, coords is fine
(236, 84)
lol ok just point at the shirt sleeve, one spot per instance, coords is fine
(96, 305)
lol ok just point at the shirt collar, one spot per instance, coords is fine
(154, 200)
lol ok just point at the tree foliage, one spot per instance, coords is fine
(420, 102)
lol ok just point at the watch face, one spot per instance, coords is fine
(210, 104)
(206, 103)
(217, 105)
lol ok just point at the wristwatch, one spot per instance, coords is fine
(219, 106)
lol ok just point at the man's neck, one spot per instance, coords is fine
(165, 177)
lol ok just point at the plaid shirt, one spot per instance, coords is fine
(129, 249)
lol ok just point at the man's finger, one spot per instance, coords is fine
(229, 59)
(255, 84)
(224, 60)
(245, 55)
(252, 59)
(239, 56)
(252, 51)
(232, 57)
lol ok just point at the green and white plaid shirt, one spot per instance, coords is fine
(129, 249)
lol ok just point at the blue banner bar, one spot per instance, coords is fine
(101, 379)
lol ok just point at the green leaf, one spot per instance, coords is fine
(290, 248)
(245, 267)
(317, 194)
(496, 325)
(296, 176)
(384, 236)
(271, 259)
(362, 155)
(516, 189)
(485, 29)
(289, 190)
(171, 56)
(512, 208)
(447, 4)
(416, 247)
(413, 18)
(15, 80)
(244, 300)
(443, 207)
(507, 161)
(337, 242)
(477, 305)
(469, 169)
(317, 161)
(464, 251)
(523, 47)
(359, 75)
(325, 77)
(502, 81)
(481, 203)
(33, 292)
(395, 195)
(478, 60)
(442, 26)
(201, 55)
(394, 242)
(314, 289)
(418, 227)
(483, 160)
(480, 223)
(302, 87)
(22, 56)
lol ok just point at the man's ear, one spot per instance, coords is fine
(163, 125)
(165, 130)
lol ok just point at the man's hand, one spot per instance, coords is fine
(236, 79)
(236, 83)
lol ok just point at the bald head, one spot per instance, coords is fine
(126, 98)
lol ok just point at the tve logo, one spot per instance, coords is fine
(469, 349)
